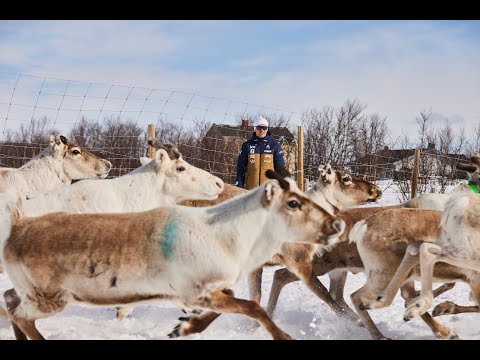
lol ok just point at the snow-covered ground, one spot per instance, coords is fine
(299, 313)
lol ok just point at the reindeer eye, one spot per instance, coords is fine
(293, 204)
(75, 152)
(180, 168)
(329, 171)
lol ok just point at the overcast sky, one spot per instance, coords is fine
(395, 68)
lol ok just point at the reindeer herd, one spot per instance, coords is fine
(168, 231)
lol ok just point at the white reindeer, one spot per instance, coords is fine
(56, 166)
(438, 201)
(166, 180)
(190, 256)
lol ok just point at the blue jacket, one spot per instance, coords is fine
(260, 146)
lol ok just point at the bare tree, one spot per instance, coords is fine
(317, 127)
(22, 145)
(449, 148)
(121, 142)
(425, 130)
(370, 138)
(344, 132)
(474, 141)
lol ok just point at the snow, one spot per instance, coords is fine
(299, 312)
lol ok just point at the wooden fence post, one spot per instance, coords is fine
(151, 134)
(416, 165)
(300, 159)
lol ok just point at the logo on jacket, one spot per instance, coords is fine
(252, 151)
(268, 146)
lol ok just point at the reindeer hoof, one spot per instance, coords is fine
(446, 334)
(182, 328)
(175, 333)
(445, 308)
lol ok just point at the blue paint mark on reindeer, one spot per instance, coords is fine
(170, 232)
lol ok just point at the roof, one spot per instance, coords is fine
(222, 130)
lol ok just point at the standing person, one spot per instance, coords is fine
(258, 154)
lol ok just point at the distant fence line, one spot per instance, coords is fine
(221, 161)
(64, 104)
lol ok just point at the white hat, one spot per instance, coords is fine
(260, 121)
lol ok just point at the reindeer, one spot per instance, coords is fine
(56, 166)
(458, 245)
(165, 180)
(333, 186)
(391, 249)
(438, 201)
(190, 256)
(343, 256)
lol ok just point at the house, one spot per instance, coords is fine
(398, 164)
(221, 146)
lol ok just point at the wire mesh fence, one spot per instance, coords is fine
(111, 121)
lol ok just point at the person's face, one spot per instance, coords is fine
(261, 131)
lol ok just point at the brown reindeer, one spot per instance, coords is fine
(334, 190)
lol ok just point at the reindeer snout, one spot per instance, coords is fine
(375, 192)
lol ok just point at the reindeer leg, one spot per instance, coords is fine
(385, 298)
(305, 272)
(13, 301)
(408, 293)
(196, 324)
(26, 310)
(364, 315)
(281, 278)
(448, 308)
(255, 284)
(429, 255)
(338, 280)
(221, 302)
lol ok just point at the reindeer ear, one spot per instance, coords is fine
(281, 179)
(270, 190)
(161, 158)
(144, 160)
(63, 139)
(282, 170)
(57, 148)
(58, 139)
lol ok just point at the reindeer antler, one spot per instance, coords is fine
(171, 150)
